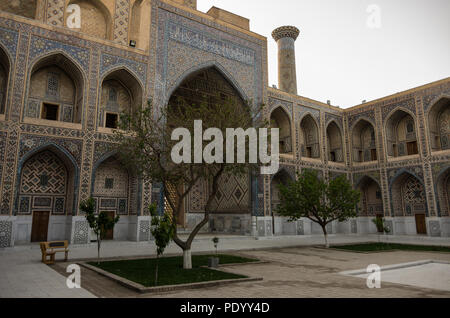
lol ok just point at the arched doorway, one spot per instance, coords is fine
(371, 203)
(439, 125)
(443, 191)
(334, 143)
(401, 135)
(310, 146)
(280, 119)
(409, 200)
(282, 177)
(234, 196)
(55, 90)
(121, 94)
(115, 189)
(363, 142)
(46, 190)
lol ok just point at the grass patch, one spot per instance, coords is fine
(376, 247)
(171, 270)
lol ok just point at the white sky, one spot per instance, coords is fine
(339, 58)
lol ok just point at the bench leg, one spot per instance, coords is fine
(66, 256)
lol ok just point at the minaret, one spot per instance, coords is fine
(285, 37)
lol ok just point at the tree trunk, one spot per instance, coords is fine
(98, 249)
(156, 271)
(324, 228)
(187, 259)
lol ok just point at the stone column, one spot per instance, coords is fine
(285, 37)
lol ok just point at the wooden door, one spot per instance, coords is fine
(110, 233)
(421, 224)
(412, 148)
(39, 228)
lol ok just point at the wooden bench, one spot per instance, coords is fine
(49, 249)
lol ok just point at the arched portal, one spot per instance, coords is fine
(95, 19)
(282, 177)
(334, 143)
(280, 119)
(211, 86)
(443, 192)
(363, 142)
(439, 125)
(401, 135)
(46, 189)
(371, 203)
(409, 199)
(310, 146)
(115, 188)
(4, 77)
(55, 90)
(121, 94)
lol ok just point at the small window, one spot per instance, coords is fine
(50, 111)
(43, 180)
(52, 84)
(412, 148)
(410, 127)
(378, 194)
(112, 94)
(109, 183)
(333, 156)
(373, 154)
(111, 120)
(309, 152)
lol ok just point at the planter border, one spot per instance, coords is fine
(336, 248)
(168, 288)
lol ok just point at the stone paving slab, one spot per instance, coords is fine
(23, 275)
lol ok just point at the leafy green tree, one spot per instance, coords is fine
(99, 223)
(381, 227)
(319, 201)
(162, 230)
(145, 141)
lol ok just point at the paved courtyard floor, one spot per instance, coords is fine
(294, 268)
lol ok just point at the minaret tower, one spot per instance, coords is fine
(285, 37)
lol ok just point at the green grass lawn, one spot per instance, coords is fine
(375, 247)
(171, 270)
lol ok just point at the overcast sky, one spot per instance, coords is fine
(340, 58)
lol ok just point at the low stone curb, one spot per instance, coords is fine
(143, 290)
(395, 266)
(237, 264)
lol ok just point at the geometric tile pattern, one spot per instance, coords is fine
(5, 233)
(55, 12)
(121, 19)
(144, 231)
(44, 173)
(81, 233)
(233, 194)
